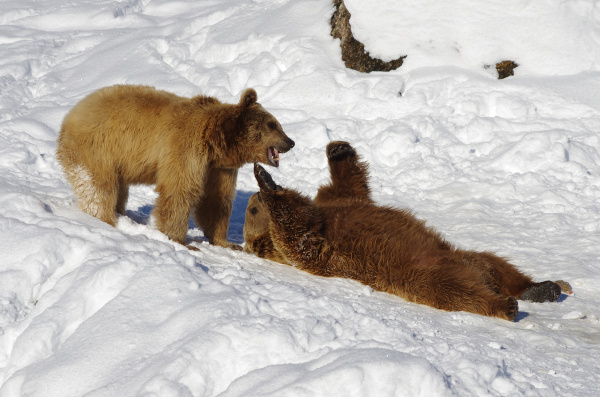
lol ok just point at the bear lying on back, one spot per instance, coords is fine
(343, 233)
(191, 148)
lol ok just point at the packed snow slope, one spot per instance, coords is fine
(511, 166)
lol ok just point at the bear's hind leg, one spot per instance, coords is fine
(481, 300)
(512, 282)
(505, 307)
(456, 288)
(546, 291)
(94, 196)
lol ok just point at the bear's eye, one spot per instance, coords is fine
(253, 210)
(272, 125)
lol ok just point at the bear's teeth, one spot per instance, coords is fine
(273, 155)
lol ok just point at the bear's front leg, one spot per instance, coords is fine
(349, 176)
(296, 226)
(213, 209)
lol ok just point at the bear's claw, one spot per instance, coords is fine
(264, 179)
(339, 150)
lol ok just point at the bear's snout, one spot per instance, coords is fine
(289, 144)
(282, 146)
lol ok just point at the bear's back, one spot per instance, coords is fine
(132, 102)
(118, 108)
(204, 101)
(124, 126)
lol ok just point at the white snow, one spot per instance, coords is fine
(555, 37)
(511, 166)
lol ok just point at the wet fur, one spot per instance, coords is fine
(343, 233)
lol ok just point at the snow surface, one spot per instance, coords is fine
(543, 36)
(511, 166)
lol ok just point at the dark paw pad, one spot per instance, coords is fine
(264, 179)
(512, 309)
(339, 150)
(546, 291)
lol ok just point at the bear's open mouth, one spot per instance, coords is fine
(273, 156)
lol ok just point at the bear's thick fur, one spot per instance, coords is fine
(343, 233)
(191, 148)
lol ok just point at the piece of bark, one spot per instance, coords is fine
(506, 69)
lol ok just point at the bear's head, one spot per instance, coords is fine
(263, 138)
(257, 234)
(257, 219)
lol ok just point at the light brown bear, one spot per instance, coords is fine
(343, 233)
(191, 148)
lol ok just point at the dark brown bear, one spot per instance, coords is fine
(190, 148)
(343, 233)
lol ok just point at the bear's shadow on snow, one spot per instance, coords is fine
(520, 316)
(236, 221)
(563, 297)
(238, 216)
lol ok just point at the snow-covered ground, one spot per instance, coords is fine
(511, 166)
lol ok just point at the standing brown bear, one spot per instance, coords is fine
(343, 233)
(191, 148)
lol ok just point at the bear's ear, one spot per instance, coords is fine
(248, 98)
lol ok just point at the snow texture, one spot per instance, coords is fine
(511, 166)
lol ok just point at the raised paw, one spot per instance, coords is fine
(264, 179)
(546, 291)
(339, 150)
